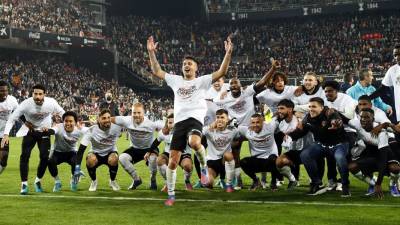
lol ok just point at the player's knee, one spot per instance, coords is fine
(91, 160)
(124, 158)
(187, 165)
(160, 160)
(173, 163)
(394, 168)
(228, 156)
(195, 142)
(113, 159)
(281, 162)
(353, 167)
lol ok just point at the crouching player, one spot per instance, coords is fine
(373, 154)
(103, 137)
(65, 148)
(185, 161)
(219, 155)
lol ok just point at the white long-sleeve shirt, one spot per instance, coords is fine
(38, 115)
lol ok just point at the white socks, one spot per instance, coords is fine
(201, 156)
(285, 171)
(230, 171)
(364, 178)
(125, 160)
(163, 171)
(153, 166)
(171, 179)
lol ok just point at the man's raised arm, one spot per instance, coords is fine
(155, 66)
(223, 69)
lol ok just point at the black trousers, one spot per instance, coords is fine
(4, 155)
(253, 165)
(28, 143)
(61, 157)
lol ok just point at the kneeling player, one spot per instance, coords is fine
(287, 123)
(219, 155)
(263, 150)
(374, 155)
(103, 137)
(143, 144)
(185, 161)
(65, 149)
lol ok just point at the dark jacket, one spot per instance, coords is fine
(318, 126)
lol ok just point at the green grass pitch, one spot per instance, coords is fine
(143, 206)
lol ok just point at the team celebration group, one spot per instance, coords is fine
(316, 124)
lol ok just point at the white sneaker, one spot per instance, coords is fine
(93, 185)
(114, 185)
(279, 183)
(331, 185)
(339, 187)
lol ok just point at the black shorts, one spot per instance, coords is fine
(4, 154)
(294, 156)
(102, 160)
(138, 154)
(183, 156)
(182, 131)
(218, 166)
(367, 160)
(63, 157)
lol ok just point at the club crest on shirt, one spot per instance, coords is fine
(108, 140)
(186, 92)
(239, 106)
(40, 115)
(221, 142)
(138, 133)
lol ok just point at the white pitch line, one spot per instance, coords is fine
(204, 200)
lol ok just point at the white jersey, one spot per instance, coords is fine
(141, 135)
(213, 94)
(211, 110)
(305, 98)
(39, 115)
(189, 96)
(167, 139)
(262, 144)
(241, 108)
(345, 105)
(392, 79)
(271, 98)
(103, 141)
(287, 127)
(67, 141)
(6, 108)
(219, 142)
(367, 138)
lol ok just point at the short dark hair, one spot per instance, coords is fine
(347, 77)
(365, 97)
(40, 87)
(362, 74)
(331, 83)
(318, 100)
(397, 46)
(104, 111)
(221, 111)
(368, 110)
(287, 103)
(257, 115)
(170, 116)
(3, 83)
(189, 57)
(70, 113)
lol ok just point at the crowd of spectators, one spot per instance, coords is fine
(326, 45)
(76, 88)
(51, 16)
